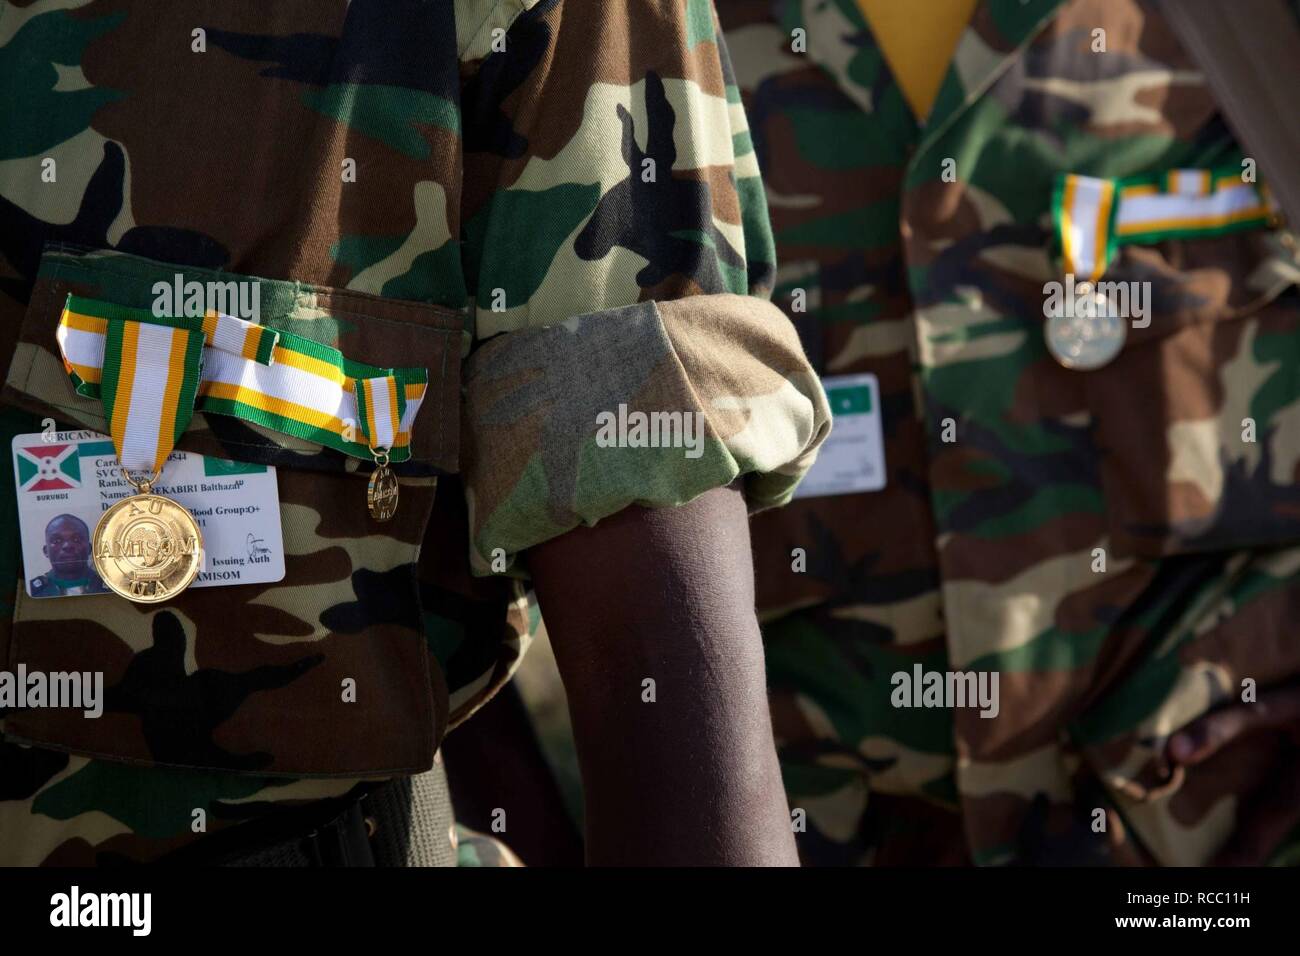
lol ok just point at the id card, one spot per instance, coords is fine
(66, 480)
(852, 459)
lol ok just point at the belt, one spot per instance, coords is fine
(343, 841)
(404, 822)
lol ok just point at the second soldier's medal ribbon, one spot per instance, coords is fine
(1093, 216)
(148, 547)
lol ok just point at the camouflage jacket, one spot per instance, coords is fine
(553, 207)
(1116, 545)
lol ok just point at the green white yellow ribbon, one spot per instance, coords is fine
(274, 379)
(151, 376)
(1093, 216)
(381, 404)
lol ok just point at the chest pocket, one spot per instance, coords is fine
(326, 672)
(1197, 420)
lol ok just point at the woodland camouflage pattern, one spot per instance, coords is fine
(495, 192)
(979, 553)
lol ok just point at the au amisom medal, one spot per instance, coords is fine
(381, 404)
(381, 493)
(1088, 333)
(147, 547)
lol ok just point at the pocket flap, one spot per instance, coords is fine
(367, 329)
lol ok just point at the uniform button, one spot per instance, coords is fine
(1087, 336)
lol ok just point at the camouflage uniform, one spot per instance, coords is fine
(554, 209)
(979, 553)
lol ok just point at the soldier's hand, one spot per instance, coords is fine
(1275, 808)
(1277, 709)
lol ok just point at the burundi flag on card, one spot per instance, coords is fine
(47, 466)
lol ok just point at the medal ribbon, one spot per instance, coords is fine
(382, 405)
(278, 380)
(1094, 216)
(151, 375)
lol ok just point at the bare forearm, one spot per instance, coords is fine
(681, 770)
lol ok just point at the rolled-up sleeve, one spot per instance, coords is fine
(617, 248)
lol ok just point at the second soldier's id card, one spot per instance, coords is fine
(852, 459)
(66, 480)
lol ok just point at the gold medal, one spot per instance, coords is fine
(381, 493)
(147, 547)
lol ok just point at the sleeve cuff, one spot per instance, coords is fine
(650, 404)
